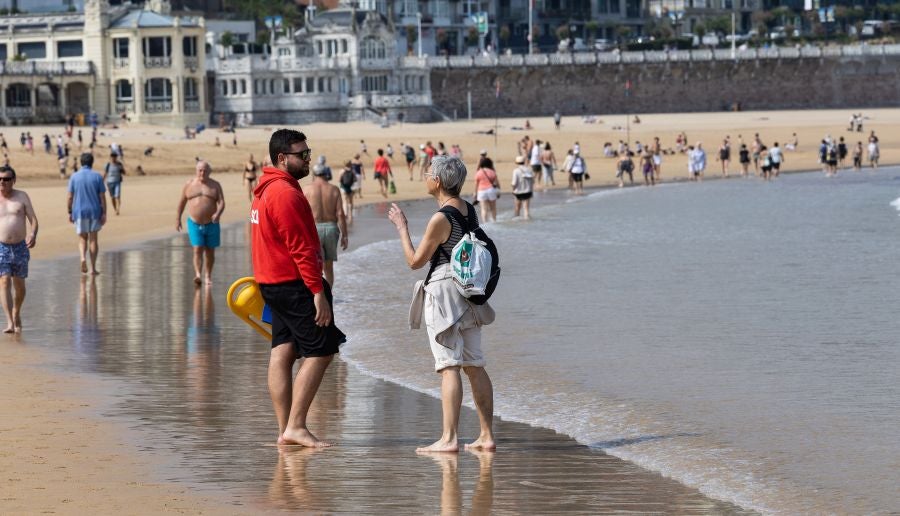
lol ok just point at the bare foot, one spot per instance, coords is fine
(302, 437)
(209, 280)
(441, 446)
(18, 323)
(9, 329)
(198, 281)
(95, 272)
(84, 268)
(482, 444)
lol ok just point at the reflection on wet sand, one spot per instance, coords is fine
(191, 379)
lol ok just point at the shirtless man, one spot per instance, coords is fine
(206, 202)
(328, 210)
(15, 208)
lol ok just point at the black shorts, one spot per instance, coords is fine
(776, 165)
(294, 319)
(523, 196)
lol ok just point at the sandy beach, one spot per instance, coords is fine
(62, 454)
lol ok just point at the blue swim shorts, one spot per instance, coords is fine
(14, 259)
(83, 226)
(203, 235)
(115, 189)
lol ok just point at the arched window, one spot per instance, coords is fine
(123, 91)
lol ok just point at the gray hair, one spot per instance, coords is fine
(451, 171)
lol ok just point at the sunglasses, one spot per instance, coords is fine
(304, 154)
(5, 179)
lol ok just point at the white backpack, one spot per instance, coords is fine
(471, 264)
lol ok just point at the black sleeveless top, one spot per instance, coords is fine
(455, 217)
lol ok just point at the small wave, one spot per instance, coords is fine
(896, 203)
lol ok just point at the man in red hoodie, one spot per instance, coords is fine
(287, 264)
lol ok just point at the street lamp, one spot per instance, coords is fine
(419, 29)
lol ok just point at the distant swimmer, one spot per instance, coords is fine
(15, 242)
(205, 202)
(287, 265)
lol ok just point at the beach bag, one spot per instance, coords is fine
(474, 261)
(392, 188)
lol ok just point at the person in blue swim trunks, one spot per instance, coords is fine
(205, 202)
(15, 242)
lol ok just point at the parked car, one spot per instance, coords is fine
(780, 32)
(603, 45)
(873, 28)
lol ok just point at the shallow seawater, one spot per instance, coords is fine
(738, 336)
(188, 381)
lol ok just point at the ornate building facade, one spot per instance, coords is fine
(342, 65)
(142, 63)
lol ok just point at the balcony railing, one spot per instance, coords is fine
(157, 62)
(124, 105)
(46, 67)
(192, 105)
(18, 111)
(158, 106)
(120, 62)
(192, 62)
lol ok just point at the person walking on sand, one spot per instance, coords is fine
(557, 119)
(453, 323)
(535, 161)
(287, 265)
(487, 189)
(112, 176)
(624, 165)
(857, 156)
(410, 154)
(87, 210)
(698, 156)
(328, 211)
(346, 180)
(578, 172)
(205, 202)
(15, 242)
(725, 156)
(249, 177)
(776, 158)
(744, 158)
(360, 172)
(363, 149)
(874, 151)
(522, 187)
(382, 171)
(656, 150)
(548, 164)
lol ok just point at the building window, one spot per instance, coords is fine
(321, 84)
(2, 51)
(189, 46)
(286, 85)
(410, 7)
(120, 48)
(440, 8)
(190, 89)
(271, 86)
(256, 87)
(233, 88)
(310, 85)
(319, 47)
(298, 84)
(375, 83)
(343, 46)
(373, 48)
(158, 89)
(157, 47)
(284, 52)
(243, 87)
(123, 91)
(18, 95)
(33, 50)
(72, 48)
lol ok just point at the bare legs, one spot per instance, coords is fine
(201, 254)
(12, 295)
(451, 402)
(292, 403)
(328, 271)
(521, 206)
(117, 203)
(488, 211)
(87, 243)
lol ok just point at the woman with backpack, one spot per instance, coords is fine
(453, 322)
(487, 189)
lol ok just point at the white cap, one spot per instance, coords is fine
(483, 152)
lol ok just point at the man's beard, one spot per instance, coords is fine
(300, 171)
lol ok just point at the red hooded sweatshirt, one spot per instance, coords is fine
(284, 241)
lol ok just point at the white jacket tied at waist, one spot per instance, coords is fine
(448, 306)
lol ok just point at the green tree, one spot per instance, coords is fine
(591, 27)
(562, 32)
(472, 37)
(504, 35)
(718, 24)
(412, 35)
(700, 30)
(226, 39)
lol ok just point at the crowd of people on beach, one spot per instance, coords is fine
(295, 235)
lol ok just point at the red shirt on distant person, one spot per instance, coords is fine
(382, 166)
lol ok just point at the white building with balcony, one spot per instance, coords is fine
(342, 65)
(123, 60)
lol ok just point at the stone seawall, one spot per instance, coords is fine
(713, 85)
